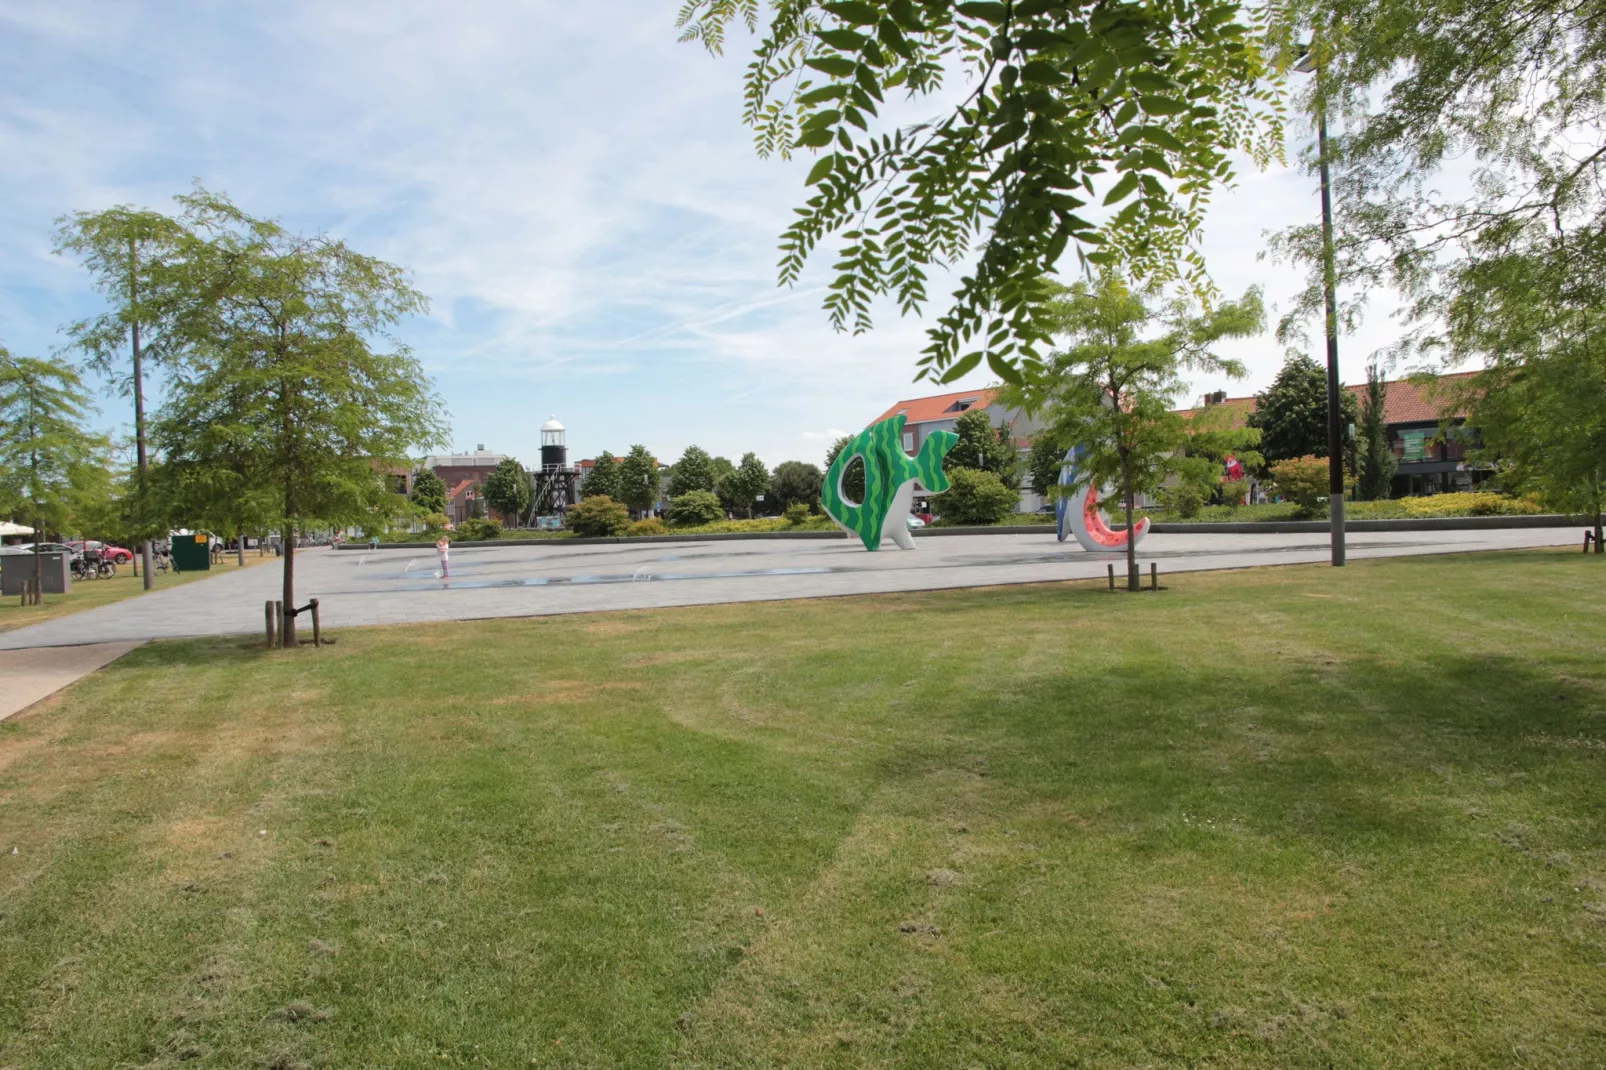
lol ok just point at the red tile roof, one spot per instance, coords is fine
(924, 410)
(460, 488)
(1405, 401)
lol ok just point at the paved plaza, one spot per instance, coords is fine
(403, 586)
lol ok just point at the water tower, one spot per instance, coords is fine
(554, 448)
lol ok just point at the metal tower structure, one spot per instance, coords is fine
(555, 485)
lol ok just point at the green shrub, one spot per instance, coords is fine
(797, 514)
(1182, 501)
(434, 524)
(693, 508)
(975, 497)
(650, 526)
(1303, 481)
(597, 517)
(1233, 493)
(478, 530)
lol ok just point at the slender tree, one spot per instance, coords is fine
(1291, 414)
(749, 480)
(1111, 390)
(46, 456)
(795, 483)
(429, 491)
(508, 489)
(290, 384)
(694, 471)
(603, 479)
(1376, 463)
(136, 259)
(984, 448)
(639, 480)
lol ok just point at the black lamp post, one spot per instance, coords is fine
(1308, 64)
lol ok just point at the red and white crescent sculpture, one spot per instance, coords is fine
(1079, 514)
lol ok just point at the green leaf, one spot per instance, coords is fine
(987, 12)
(1162, 105)
(824, 167)
(1123, 188)
(819, 96)
(1159, 135)
(815, 139)
(1038, 72)
(1151, 82)
(904, 12)
(961, 367)
(844, 40)
(835, 66)
(853, 12)
(1004, 369)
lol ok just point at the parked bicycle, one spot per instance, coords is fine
(92, 564)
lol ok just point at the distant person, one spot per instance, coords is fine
(373, 540)
(443, 546)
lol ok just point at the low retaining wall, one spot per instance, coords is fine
(1279, 527)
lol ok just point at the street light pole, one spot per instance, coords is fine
(1309, 64)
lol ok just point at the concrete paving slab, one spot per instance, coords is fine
(29, 675)
(403, 586)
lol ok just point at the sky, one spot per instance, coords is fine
(572, 188)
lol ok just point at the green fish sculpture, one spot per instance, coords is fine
(889, 478)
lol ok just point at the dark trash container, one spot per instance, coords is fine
(191, 553)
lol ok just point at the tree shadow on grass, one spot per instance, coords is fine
(1326, 753)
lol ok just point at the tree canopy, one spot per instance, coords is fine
(508, 489)
(289, 393)
(47, 458)
(1073, 108)
(794, 483)
(984, 448)
(1291, 413)
(743, 486)
(694, 471)
(603, 479)
(1111, 389)
(638, 479)
(429, 491)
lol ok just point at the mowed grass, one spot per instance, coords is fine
(1276, 818)
(87, 594)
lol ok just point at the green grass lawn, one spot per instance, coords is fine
(1293, 817)
(87, 594)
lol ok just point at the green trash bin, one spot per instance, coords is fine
(192, 553)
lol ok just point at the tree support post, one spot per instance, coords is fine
(267, 621)
(278, 621)
(317, 634)
(1154, 576)
(1111, 570)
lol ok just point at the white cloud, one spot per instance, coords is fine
(571, 186)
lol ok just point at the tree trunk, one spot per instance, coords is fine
(1134, 581)
(288, 639)
(142, 457)
(1599, 527)
(38, 570)
(239, 551)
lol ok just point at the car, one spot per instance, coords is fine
(118, 555)
(915, 523)
(44, 548)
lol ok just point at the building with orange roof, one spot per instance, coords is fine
(1431, 459)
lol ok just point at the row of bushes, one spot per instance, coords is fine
(697, 512)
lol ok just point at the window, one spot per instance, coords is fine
(908, 441)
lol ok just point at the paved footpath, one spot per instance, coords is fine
(402, 586)
(26, 676)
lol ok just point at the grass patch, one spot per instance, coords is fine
(87, 594)
(1282, 817)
